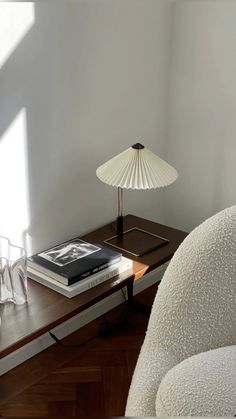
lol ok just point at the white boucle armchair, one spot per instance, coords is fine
(194, 312)
(201, 385)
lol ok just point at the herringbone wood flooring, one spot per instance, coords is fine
(90, 380)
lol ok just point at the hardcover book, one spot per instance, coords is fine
(73, 260)
(124, 265)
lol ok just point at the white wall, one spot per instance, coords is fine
(202, 111)
(88, 79)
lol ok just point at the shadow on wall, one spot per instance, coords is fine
(39, 150)
(84, 82)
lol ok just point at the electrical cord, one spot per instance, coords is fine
(105, 329)
(59, 342)
(124, 294)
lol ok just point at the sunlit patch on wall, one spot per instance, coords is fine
(16, 18)
(14, 206)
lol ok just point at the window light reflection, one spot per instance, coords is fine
(14, 208)
(16, 18)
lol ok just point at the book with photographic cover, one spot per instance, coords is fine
(73, 260)
(122, 267)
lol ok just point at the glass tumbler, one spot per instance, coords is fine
(13, 273)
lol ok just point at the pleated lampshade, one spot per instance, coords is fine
(137, 168)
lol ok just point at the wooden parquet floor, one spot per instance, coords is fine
(87, 380)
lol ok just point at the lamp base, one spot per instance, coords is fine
(137, 242)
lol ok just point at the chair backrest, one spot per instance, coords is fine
(194, 309)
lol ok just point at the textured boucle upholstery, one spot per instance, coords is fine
(194, 309)
(202, 385)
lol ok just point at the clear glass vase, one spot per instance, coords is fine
(13, 273)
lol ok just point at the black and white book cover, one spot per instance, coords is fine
(74, 260)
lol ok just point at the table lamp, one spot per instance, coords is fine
(135, 168)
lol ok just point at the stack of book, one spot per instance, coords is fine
(76, 266)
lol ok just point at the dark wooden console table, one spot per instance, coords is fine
(47, 309)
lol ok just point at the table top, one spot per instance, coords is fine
(47, 309)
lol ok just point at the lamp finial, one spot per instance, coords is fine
(138, 146)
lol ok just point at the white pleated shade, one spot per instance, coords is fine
(137, 169)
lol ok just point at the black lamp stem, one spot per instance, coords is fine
(119, 225)
(119, 221)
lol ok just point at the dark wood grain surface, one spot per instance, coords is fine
(89, 379)
(46, 308)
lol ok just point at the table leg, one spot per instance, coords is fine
(130, 289)
(134, 304)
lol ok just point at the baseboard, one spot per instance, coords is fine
(27, 351)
